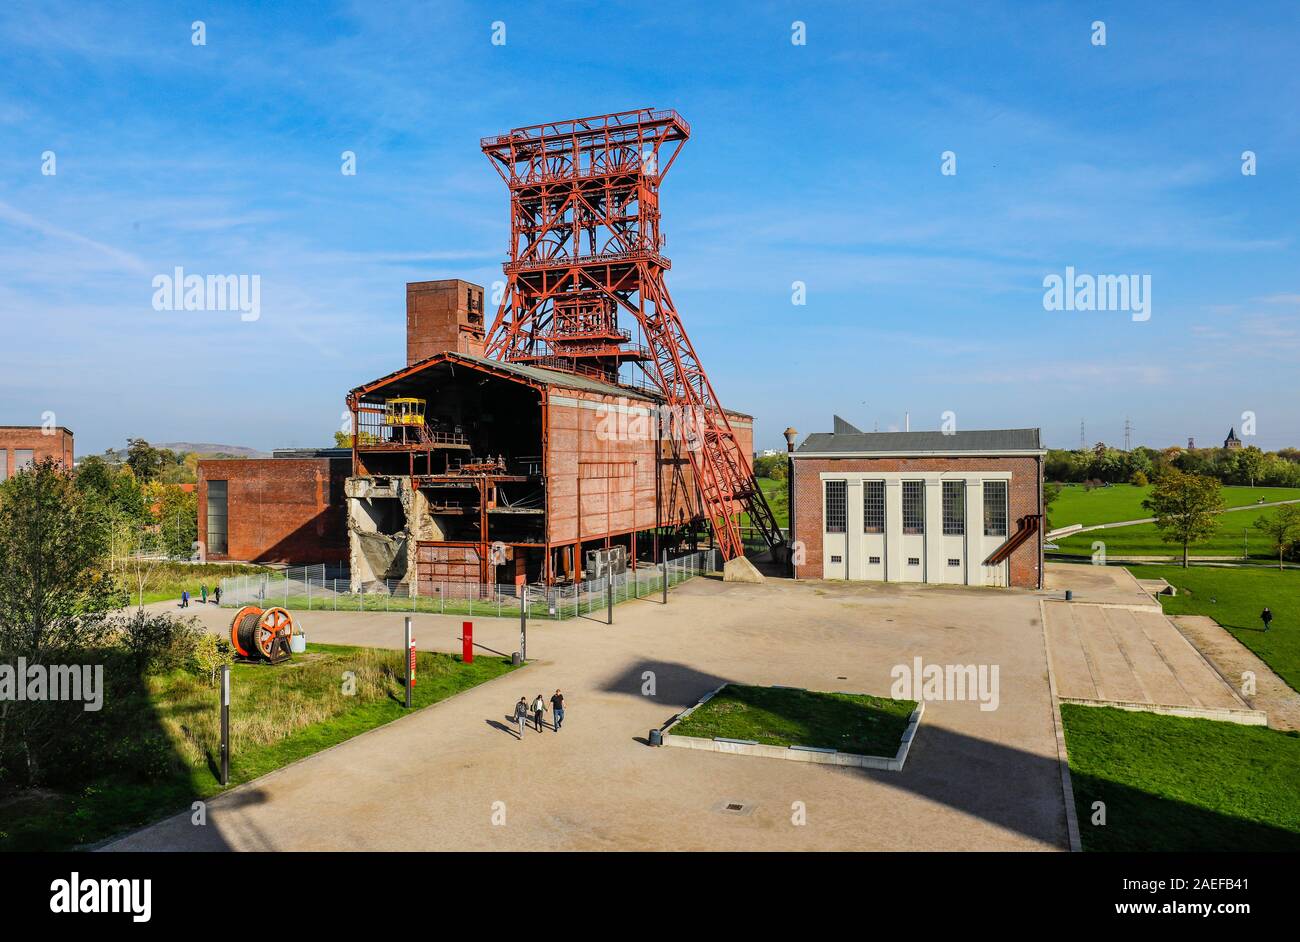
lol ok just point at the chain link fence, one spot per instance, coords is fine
(318, 588)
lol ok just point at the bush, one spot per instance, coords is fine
(158, 641)
(211, 652)
(1139, 479)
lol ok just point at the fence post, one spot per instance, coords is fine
(663, 568)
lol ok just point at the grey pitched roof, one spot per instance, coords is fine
(842, 427)
(982, 440)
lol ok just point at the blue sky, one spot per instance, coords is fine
(817, 163)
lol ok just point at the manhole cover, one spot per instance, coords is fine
(734, 807)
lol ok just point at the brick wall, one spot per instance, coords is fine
(443, 316)
(56, 444)
(283, 510)
(1023, 497)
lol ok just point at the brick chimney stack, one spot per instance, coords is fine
(441, 316)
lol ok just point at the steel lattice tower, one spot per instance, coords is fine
(584, 245)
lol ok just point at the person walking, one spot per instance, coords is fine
(203, 593)
(216, 595)
(1266, 617)
(557, 710)
(539, 708)
(521, 716)
(185, 598)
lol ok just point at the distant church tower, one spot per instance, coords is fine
(1232, 441)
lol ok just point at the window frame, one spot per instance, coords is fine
(917, 512)
(873, 506)
(840, 515)
(954, 517)
(1005, 488)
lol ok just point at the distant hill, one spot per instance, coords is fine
(209, 448)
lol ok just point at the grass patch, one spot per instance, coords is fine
(277, 715)
(1234, 597)
(1175, 784)
(1124, 502)
(1234, 535)
(166, 581)
(849, 722)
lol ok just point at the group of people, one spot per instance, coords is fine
(203, 595)
(538, 711)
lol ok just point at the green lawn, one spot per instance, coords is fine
(168, 734)
(165, 581)
(1124, 502)
(776, 716)
(1175, 784)
(1235, 535)
(1234, 598)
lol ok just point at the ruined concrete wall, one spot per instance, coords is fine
(383, 521)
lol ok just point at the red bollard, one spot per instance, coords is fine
(467, 642)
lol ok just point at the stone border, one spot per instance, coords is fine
(1222, 714)
(814, 754)
(1062, 757)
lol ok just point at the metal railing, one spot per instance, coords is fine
(314, 589)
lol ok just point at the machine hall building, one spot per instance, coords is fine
(960, 508)
(514, 473)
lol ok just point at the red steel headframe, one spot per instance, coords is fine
(585, 244)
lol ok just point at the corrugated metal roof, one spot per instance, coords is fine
(560, 378)
(988, 440)
(536, 374)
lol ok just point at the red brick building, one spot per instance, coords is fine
(23, 445)
(285, 509)
(512, 472)
(960, 508)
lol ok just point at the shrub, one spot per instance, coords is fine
(158, 641)
(1139, 479)
(211, 653)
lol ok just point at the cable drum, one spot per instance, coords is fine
(253, 632)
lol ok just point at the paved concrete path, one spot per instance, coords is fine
(1233, 659)
(1103, 585)
(1101, 652)
(975, 780)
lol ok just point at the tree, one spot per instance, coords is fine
(54, 593)
(1050, 493)
(1185, 507)
(176, 512)
(1282, 527)
(1250, 461)
(145, 461)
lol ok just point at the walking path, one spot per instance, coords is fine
(439, 778)
(1234, 659)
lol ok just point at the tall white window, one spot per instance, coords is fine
(837, 506)
(954, 508)
(995, 508)
(913, 506)
(873, 506)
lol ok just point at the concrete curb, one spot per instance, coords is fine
(1062, 757)
(1222, 714)
(815, 754)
